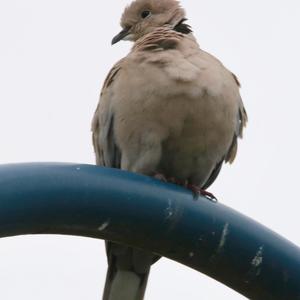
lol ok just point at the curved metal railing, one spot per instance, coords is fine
(143, 212)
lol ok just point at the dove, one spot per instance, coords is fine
(168, 109)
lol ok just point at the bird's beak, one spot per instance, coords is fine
(120, 36)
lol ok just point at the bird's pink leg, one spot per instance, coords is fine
(160, 177)
(197, 191)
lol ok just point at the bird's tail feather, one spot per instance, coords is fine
(128, 272)
(125, 285)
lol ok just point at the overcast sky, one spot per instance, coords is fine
(54, 56)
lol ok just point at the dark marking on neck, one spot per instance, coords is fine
(182, 27)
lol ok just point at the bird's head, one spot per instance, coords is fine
(143, 16)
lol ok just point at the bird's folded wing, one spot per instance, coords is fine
(242, 122)
(107, 153)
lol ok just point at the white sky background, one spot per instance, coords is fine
(54, 56)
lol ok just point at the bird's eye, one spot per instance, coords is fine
(145, 14)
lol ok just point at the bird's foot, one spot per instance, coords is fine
(174, 180)
(160, 177)
(197, 191)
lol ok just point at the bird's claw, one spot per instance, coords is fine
(200, 192)
(197, 191)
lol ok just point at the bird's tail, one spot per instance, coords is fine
(127, 274)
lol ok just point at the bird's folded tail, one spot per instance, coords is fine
(128, 271)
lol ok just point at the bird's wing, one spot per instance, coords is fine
(230, 155)
(107, 153)
(242, 120)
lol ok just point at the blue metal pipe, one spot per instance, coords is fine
(146, 213)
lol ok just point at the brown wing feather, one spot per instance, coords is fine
(95, 137)
(232, 151)
(106, 150)
(242, 122)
